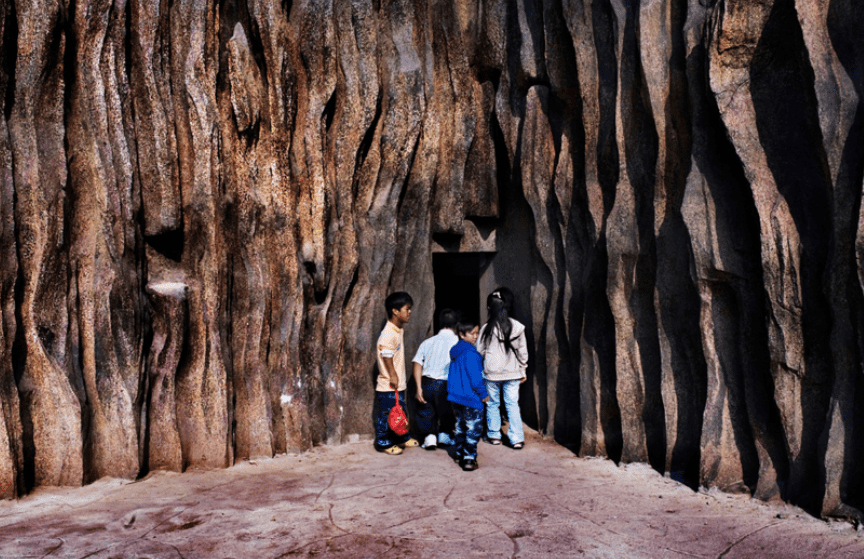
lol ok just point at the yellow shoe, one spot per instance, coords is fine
(410, 442)
(393, 450)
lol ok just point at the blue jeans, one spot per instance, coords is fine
(384, 437)
(468, 430)
(510, 388)
(435, 417)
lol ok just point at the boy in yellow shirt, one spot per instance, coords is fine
(391, 373)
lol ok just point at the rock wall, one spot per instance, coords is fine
(203, 205)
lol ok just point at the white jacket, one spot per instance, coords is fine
(498, 364)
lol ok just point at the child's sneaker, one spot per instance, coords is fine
(430, 443)
(468, 464)
(393, 450)
(412, 442)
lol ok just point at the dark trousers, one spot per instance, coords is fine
(469, 428)
(384, 437)
(436, 415)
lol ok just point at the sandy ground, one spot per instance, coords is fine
(349, 501)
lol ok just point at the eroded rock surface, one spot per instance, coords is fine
(671, 187)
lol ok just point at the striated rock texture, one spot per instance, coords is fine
(203, 205)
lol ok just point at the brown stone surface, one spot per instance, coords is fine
(349, 501)
(672, 188)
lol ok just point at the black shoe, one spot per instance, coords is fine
(468, 464)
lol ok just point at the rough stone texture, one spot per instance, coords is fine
(51, 407)
(11, 451)
(672, 187)
(162, 439)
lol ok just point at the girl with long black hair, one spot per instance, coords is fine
(505, 351)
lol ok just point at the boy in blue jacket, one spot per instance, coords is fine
(467, 392)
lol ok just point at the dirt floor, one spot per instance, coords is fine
(350, 501)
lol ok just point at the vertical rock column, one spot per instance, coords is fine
(758, 44)
(630, 245)
(202, 383)
(380, 179)
(314, 67)
(841, 125)
(662, 50)
(247, 214)
(170, 319)
(567, 227)
(357, 108)
(98, 187)
(155, 140)
(11, 449)
(590, 28)
(51, 411)
(740, 446)
(537, 150)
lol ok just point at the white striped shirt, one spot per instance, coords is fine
(434, 354)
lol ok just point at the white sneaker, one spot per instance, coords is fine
(430, 442)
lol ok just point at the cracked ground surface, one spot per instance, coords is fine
(349, 501)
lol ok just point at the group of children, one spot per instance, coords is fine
(460, 372)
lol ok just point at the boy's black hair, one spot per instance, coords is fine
(465, 325)
(448, 318)
(396, 301)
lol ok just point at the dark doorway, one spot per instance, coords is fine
(457, 282)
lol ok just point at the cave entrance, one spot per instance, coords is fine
(459, 280)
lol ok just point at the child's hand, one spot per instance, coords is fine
(420, 396)
(523, 380)
(486, 399)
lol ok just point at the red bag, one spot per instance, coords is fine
(397, 420)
